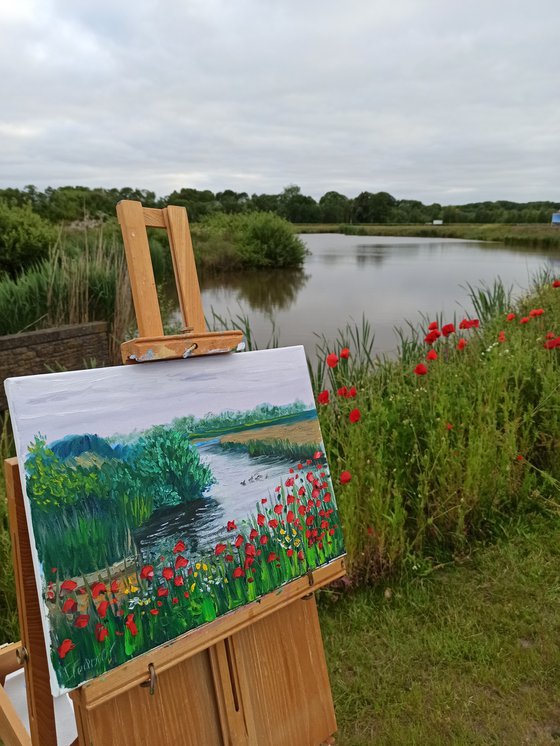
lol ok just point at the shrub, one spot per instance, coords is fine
(25, 238)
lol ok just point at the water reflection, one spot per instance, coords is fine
(261, 290)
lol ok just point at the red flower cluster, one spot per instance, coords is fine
(469, 324)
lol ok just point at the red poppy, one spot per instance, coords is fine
(323, 397)
(343, 391)
(81, 621)
(432, 326)
(115, 586)
(278, 509)
(355, 415)
(186, 594)
(102, 609)
(469, 324)
(302, 510)
(550, 335)
(154, 612)
(318, 455)
(261, 519)
(289, 482)
(432, 336)
(220, 549)
(69, 606)
(502, 337)
(271, 557)
(162, 592)
(432, 355)
(290, 552)
(65, 647)
(352, 393)
(250, 550)
(551, 344)
(536, 312)
(167, 573)
(332, 360)
(420, 369)
(97, 589)
(300, 555)
(310, 477)
(181, 562)
(264, 500)
(179, 547)
(68, 585)
(238, 572)
(510, 316)
(147, 572)
(239, 541)
(263, 540)
(519, 457)
(273, 523)
(556, 284)
(447, 329)
(525, 320)
(290, 499)
(178, 580)
(231, 526)
(290, 517)
(449, 426)
(345, 477)
(253, 534)
(344, 353)
(462, 344)
(229, 557)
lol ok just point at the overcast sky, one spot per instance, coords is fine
(438, 100)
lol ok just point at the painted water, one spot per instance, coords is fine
(386, 280)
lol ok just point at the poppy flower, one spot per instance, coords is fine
(433, 325)
(239, 541)
(154, 612)
(263, 540)
(502, 337)
(355, 415)
(102, 609)
(510, 316)
(179, 547)
(550, 335)
(342, 391)
(238, 572)
(290, 517)
(344, 353)
(220, 549)
(264, 500)
(178, 580)
(273, 523)
(278, 509)
(253, 534)
(536, 312)
(462, 344)
(519, 457)
(352, 393)
(525, 320)
(97, 589)
(432, 355)
(420, 369)
(147, 572)
(323, 397)
(81, 621)
(271, 557)
(432, 336)
(551, 344)
(115, 586)
(300, 555)
(167, 573)
(469, 324)
(68, 585)
(317, 455)
(162, 592)
(345, 477)
(332, 360)
(65, 647)
(231, 526)
(556, 284)
(447, 329)
(181, 562)
(449, 426)
(290, 552)
(289, 482)
(69, 606)
(302, 510)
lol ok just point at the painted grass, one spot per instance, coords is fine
(280, 448)
(468, 655)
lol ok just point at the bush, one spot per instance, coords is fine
(25, 238)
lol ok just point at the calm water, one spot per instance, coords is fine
(389, 280)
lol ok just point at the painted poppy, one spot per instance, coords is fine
(115, 586)
(253, 534)
(97, 589)
(181, 562)
(220, 549)
(231, 526)
(102, 609)
(179, 547)
(162, 592)
(317, 455)
(178, 580)
(147, 572)
(278, 509)
(271, 557)
(65, 647)
(81, 621)
(68, 585)
(273, 523)
(238, 572)
(69, 606)
(239, 541)
(167, 573)
(290, 517)
(263, 540)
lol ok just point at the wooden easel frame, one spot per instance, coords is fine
(259, 672)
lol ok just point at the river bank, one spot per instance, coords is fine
(529, 235)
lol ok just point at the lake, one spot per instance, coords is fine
(387, 280)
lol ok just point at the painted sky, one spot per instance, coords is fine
(439, 100)
(107, 401)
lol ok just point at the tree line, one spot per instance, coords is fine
(77, 203)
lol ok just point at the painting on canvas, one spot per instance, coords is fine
(160, 496)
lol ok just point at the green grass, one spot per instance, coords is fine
(530, 235)
(468, 655)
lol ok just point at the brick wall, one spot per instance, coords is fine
(51, 350)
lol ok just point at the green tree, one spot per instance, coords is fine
(335, 208)
(25, 238)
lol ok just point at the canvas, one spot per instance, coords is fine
(163, 495)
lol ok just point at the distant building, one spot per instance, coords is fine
(555, 219)
(437, 222)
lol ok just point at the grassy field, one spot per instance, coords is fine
(468, 655)
(530, 235)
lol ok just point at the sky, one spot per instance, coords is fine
(126, 398)
(440, 100)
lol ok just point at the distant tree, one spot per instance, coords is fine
(198, 203)
(335, 208)
(25, 238)
(232, 202)
(297, 207)
(265, 202)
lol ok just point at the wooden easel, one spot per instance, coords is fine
(254, 677)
